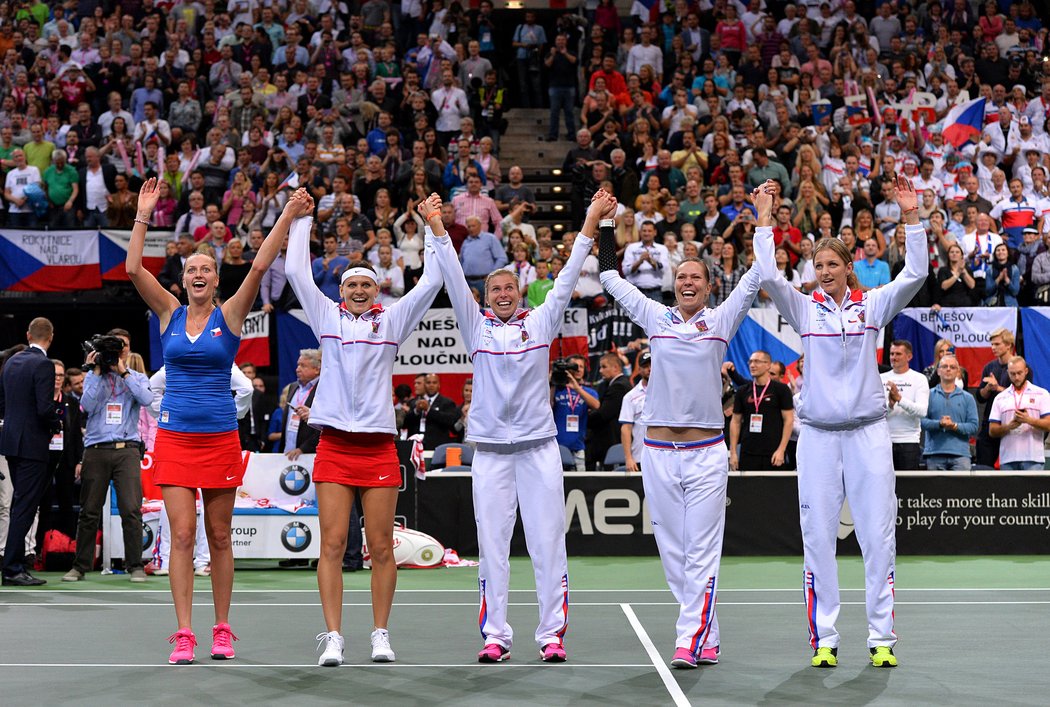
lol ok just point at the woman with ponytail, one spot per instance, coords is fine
(844, 449)
(685, 462)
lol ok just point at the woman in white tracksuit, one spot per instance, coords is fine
(355, 455)
(844, 449)
(685, 462)
(516, 462)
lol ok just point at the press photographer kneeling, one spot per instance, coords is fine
(113, 397)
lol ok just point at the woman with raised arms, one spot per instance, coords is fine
(685, 462)
(356, 454)
(197, 445)
(844, 449)
(517, 462)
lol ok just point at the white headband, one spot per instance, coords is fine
(362, 272)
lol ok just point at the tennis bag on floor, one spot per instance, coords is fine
(412, 549)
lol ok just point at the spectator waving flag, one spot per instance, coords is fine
(646, 10)
(964, 122)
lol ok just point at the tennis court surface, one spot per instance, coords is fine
(973, 631)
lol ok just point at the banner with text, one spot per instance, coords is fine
(967, 328)
(606, 514)
(49, 261)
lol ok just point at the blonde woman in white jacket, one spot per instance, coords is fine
(355, 455)
(844, 447)
(517, 462)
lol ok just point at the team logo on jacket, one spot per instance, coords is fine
(294, 480)
(375, 326)
(860, 317)
(296, 536)
(701, 326)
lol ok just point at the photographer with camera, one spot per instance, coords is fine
(113, 398)
(571, 402)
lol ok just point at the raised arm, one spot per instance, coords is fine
(642, 310)
(887, 301)
(553, 308)
(790, 302)
(158, 299)
(236, 308)
(468, 312)
(407, 312)
(298, 269)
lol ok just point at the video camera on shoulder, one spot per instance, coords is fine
(108, 349)
(560, 370)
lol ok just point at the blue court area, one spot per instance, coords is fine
(973, 632)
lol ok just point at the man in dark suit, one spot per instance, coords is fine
(253, 426)
(66, 451)
(171, 274)
(298, 437)
(433, 415)
(603, 424)
(27, 407)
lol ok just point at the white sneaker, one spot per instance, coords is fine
(333, 649)
(381, 651)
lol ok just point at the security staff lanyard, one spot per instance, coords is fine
(572, 420)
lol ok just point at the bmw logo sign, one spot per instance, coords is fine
(296, 536)
(294, 480)
(147, 537)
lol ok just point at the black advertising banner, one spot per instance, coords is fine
(936, 515)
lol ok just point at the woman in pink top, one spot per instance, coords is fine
(733, 34)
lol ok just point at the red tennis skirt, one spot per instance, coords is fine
(198, 459)
(367, 459)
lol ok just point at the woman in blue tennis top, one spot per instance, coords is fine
(197, 444)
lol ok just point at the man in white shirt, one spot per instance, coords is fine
(1020, 417)
(19, 210)
(644, 263)
(452, 106)
(908, 396)
(632, 429)
(116, 110)
(152, 127)
(646, 53)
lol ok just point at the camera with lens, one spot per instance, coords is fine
(560, 370)
(108, 349)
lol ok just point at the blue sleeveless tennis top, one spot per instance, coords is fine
(197, 397)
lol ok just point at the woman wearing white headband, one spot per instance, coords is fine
(356, 454)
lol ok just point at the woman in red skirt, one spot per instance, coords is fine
(197, 444)
(353, 409)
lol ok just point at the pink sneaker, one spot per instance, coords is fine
(683, 659)
(493, 653)
(553, 653)
(708, 656)
(222, 642)
(185, 642)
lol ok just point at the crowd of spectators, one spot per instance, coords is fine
(683, 111)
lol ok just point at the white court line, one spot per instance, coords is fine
(475, 604)
(721, 590)
(673, 688)
(227, 665)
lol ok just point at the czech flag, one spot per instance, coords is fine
(967, 328)
(49, 261)
(113, 252)
(646, 10)
(964, 122)
(1036, 323)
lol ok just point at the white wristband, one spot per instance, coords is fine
(607, 223)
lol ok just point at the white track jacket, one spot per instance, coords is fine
(843, 389)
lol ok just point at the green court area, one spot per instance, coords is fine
(973, 632)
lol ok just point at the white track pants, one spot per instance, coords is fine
(504, 477)
(856, 465)
(686, 493)
(162, 550)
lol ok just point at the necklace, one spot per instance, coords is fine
(198, 323)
